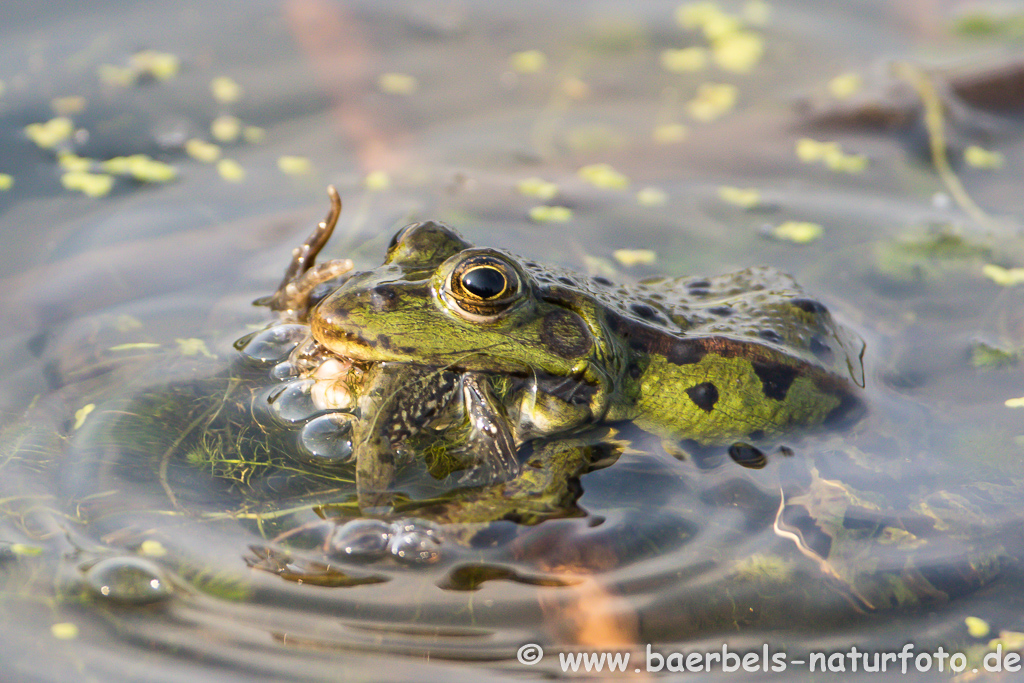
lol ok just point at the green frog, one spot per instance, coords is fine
(447, 333)
(492, 372)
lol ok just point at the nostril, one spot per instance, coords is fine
(383, 298)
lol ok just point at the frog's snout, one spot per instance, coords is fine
(331, 327)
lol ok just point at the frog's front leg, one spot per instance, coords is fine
(396, 403)
(489, 444)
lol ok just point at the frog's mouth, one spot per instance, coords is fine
(353, 342)
(342, 340)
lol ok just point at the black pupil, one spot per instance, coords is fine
(485, 283)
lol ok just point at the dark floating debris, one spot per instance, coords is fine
(747, 455)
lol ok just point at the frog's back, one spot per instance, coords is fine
(725, 356)
(758, 305)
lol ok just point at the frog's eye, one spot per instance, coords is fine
(484, 285)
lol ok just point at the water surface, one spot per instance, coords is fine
(114, 299)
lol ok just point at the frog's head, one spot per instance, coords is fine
(438, 300)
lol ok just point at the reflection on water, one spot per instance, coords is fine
(170, 513)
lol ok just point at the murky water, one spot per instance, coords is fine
(127, 552)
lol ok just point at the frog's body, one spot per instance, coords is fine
(519, 351)
(702, 359)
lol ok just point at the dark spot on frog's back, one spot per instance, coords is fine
(809, 306)
(565, 334)
(775, 379)
(643, 310)
(704, 395)
(684, 352)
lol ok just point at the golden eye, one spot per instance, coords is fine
(485, 282)
(484, 285)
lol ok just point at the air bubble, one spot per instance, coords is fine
(415, 541)
(364, 539)
(293, 403)
(328, 438)
(274, 343)
(285, 370)
(408, 524)
(416, 547)
(128, 580)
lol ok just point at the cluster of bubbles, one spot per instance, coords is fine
(410, 541)
(325, 437)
